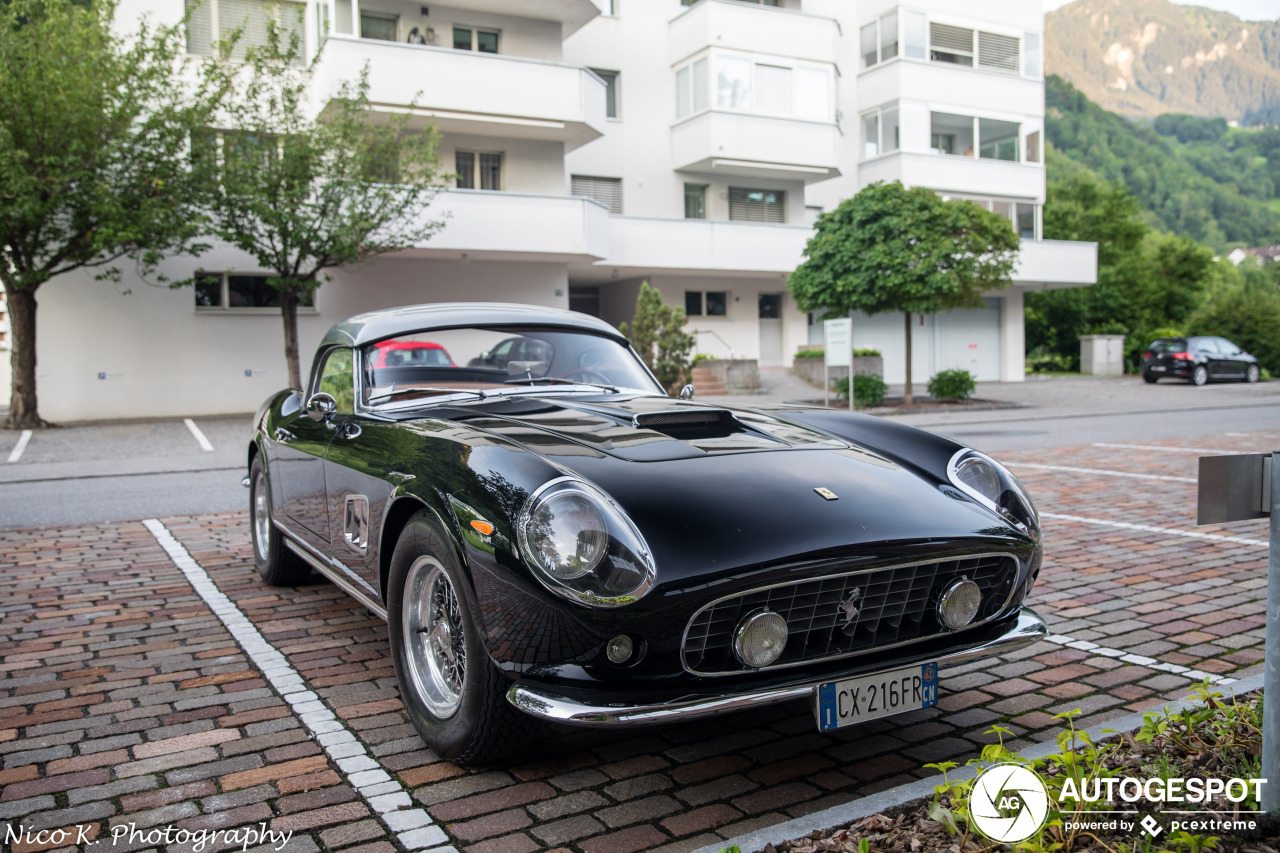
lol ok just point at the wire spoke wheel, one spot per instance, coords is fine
(436, 653)
(261, 515)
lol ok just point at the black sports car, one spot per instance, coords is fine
(557, 538)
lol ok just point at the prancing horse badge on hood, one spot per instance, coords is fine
(827, 494)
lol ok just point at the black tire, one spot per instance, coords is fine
(481, 728)
(1149, 377)
(276, 564)
(1200, 375)
(1252, 373)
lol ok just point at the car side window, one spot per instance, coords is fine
(1226, 347)
(337, 378)
(1207, 345)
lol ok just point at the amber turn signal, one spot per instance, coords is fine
(483, 526)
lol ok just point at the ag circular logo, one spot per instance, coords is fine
(1008, 803)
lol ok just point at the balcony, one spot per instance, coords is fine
(957, 174)
(572, 14)
(1051, 264)
(700, 244)
(753, 28)
(474, 93)
(516, 226)
(755, 146)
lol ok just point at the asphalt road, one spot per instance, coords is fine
(122, 471)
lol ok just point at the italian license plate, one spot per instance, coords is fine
(870, 697)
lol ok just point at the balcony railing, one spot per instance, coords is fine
(517, 225)
(746, 145)
(469, 92)
(754, 28)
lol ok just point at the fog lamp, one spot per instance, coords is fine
(959, 603)
(619, 649)
(760, 638)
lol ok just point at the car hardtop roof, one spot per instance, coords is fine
(391, 322)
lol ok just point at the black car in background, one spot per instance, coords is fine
(1197, 360)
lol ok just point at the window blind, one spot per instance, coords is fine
(607, 191)
(200, 27)
(749, 205)
(252, 16)
(949, 38)
(996, 51)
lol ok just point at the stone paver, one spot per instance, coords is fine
(123, 699)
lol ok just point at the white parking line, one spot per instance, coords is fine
(1200, 450)
(1140, 660)
(1102, 472)
(23, 440)
(1146, 528)
(386, 797)
(195, 430)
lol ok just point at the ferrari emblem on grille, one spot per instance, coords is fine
(850, 605)
(827, 494)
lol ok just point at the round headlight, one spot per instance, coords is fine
(980, 476)
(568, 535)
(992, 485)
(583, 546)
(760, 638)
(959, 603)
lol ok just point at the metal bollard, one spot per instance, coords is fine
(1271, 656)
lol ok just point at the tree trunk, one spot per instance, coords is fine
(289, 312)
(907, 399)
(23, 411)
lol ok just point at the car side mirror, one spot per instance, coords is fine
(321, 406)
(687, 392)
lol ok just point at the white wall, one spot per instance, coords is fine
(161, 357)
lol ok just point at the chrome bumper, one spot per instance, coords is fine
(549, 703)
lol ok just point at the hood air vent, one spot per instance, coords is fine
(689, 423)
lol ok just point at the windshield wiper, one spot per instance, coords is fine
(556, 380)
(423, 392)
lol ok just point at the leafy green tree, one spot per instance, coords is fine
(94, 133)
(657, 334)
(895, 249)
(1247, 313)
(303, 193)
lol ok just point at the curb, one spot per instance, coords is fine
(838, 816)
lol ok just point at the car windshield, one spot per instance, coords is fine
(1168, 345)
(442, 361)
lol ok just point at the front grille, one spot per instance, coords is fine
(892, 606)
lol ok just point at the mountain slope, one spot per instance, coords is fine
(1141, 58)
(1174, 182)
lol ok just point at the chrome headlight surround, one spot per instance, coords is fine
(612, 565)
(992, 485)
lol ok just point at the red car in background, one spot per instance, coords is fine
(410, 354)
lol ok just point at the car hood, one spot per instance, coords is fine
(740, 489)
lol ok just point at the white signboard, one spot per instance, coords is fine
(838, 335)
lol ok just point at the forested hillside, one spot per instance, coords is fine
(1214, 184)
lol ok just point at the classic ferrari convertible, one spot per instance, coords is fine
(549, 535)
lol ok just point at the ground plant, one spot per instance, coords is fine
(952, 385)
(1218, 737)
(868, 389)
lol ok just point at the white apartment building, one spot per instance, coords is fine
(600, 144)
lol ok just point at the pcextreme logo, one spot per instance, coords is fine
(1008, 803)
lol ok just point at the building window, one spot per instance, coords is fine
(951, 134)
(811, 214)
(998, 52)
(1021, 215)
(610, 79)
(950, 44)
(795, 90)
(752, 205)
(913, 35)
(881, 132)
(712, 303)
(378, 27)
(219, 291)
(757, 2)
(212, 21)
(1032, 60)
(484, 41)
(1033, 147)
(868, 43)
(695, 201)
(607, 191)
(878, 40)
(998, 140)
(478, 170)
(889, 36)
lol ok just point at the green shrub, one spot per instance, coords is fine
(1248, 315)
(810, 353)
(952, 385)
(868, 389)
(1044, 360)
(699, 358)
(867, 352)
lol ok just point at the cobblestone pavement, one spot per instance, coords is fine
(126, 699)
